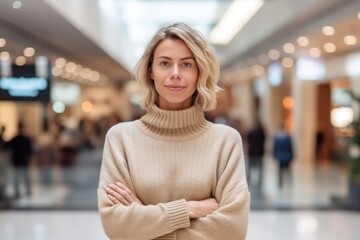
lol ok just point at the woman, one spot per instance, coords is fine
(172, 174)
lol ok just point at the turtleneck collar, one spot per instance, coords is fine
(174, 125)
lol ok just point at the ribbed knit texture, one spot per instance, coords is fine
(167, 158)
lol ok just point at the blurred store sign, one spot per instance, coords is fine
(22, 83)
(23, 87)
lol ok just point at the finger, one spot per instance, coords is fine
(119, 198)
(123, 193)
(113, 200)
(131, 196)
(116, 201)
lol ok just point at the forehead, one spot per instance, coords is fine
(172, 47)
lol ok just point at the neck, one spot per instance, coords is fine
(174, 124)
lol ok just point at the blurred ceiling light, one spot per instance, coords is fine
(65, 75)
(235, 18)
(60, 62)
(287, 62)
(329, 47)
(78, 69)
(58, 107)
(288, 102)
(70, 67)
(289, 48)
(2, 42)
(328, 30)
(315, 52)
(16, 4)
(341, 116)
(4, 56)
(274, 54)
(302, 41)
(95, 76)
(350, 40)
(29, 52)
(87, 106)
(85, 73)
(20, 60)
(56, 71)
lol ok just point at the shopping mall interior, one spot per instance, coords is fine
(66, 73)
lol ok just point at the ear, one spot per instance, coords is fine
(151, 74)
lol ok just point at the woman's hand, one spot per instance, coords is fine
(118, 193)
(198, 209)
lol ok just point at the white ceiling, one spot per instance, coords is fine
(55, 30)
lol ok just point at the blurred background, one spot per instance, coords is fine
(288, 67)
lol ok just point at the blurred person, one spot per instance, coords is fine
(21, 150)
(255, 142)
(172, 174)
(68, 141)
(3, 164)
(46, 153)
(283, 153)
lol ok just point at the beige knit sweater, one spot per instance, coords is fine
(166, 158)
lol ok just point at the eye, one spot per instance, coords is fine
(164, 63)
(187, 64)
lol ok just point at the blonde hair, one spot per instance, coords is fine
(205, 57)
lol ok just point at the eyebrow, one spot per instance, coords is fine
(185, 58)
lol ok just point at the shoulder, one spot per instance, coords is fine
(227, 132)
(120, 129)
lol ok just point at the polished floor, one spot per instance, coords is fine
(264, 224)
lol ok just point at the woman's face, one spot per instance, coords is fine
(175, 73)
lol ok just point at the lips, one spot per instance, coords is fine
(175, 88)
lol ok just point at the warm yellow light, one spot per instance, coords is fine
(235, 18)
(328, 30)
(289, 48)
(287, 62)
(56, 71)
(4, 56)
(20, 61)
(274, 54)
(60, 62)
(85, 73)
(303, 41)
(350, 40)
(95, 76)
(2, 42)
(70, 67)
(87, 106)
(29, 52)
(315, 52)
(288, 103)
(329, 47)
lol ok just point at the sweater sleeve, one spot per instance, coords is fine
(136, 221)
(230, 220)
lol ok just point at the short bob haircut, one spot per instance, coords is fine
(205, 57)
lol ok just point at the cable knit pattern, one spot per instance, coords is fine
(167, 158)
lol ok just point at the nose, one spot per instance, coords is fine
(175, 74)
